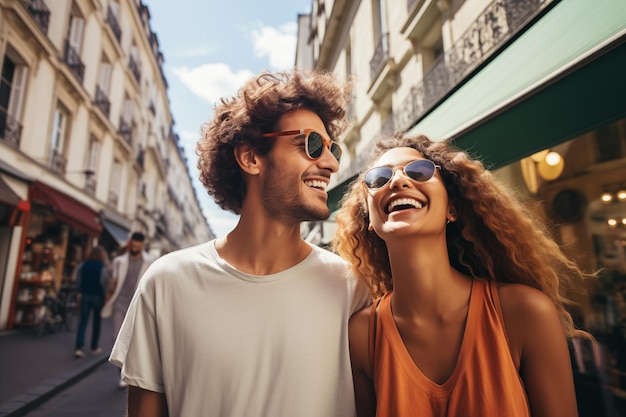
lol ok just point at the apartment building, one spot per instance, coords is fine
(535, 88)
(88, 152)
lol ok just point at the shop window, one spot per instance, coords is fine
(586, 206)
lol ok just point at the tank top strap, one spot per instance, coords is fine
(372, 331)
(494, 303)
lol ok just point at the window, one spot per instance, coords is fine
(12, 85)
(114, 185)
(93, 154)
(104, 75)
(73, 45)
(381, 38)
(133, 62)
(103, 86)
(57, 141)
(92, 165)
(75, 34)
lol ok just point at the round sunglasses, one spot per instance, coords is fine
(313, 144)
(420, 170)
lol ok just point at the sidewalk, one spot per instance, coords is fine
(34, 369)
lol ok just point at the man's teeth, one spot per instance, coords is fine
(316, 184)
(404, 202)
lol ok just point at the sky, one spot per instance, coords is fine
(211, 48)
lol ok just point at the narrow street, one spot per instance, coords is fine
(97, 395)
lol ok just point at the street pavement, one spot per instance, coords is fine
(33, 369)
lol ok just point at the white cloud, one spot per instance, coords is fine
(278, 44)
(195, 51)
(212, 81)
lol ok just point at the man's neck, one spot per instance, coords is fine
(263, 251)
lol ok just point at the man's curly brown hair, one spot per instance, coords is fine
(255, 110)
(495, 236)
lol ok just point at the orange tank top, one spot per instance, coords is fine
(485, 381)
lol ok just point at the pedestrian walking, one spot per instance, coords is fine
(91, 283)
(127, 269)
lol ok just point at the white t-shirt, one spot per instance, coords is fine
(219, 342)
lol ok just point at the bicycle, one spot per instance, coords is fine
(58, 311)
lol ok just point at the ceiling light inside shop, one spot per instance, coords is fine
(612, 222)
(606, 197)
(621, 195)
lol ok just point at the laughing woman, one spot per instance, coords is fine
(470, 317)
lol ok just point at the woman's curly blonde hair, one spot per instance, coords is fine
(494, 237)
(255, 110)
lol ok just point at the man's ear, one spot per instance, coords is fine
(247, 159)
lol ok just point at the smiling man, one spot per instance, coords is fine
(253, 324)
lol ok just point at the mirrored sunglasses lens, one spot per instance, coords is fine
(377, 177)
(335, 149)
(315, 145)
(420, 170)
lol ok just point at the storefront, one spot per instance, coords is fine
(14, 214)
(59, 233)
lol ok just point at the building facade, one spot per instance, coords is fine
(88, 152)
(534, 88)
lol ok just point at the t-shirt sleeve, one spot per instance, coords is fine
(362, 297)
(136, 349)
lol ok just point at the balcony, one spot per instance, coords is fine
(134, 68)
(58, 161)
(381, 54)
(102, 101)
(113, 198)
(126, 131)
(499, 22)
(10, 129)
(141, 156)
(72, 59)
(39, 11)
(90, 184)
(114, 25)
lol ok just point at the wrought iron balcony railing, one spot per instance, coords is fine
(126, 131)
(113, 198)
(102, 101)
(381, 54)
(10, 129)
(498, 23)
(114, 25)
(90, 184)
(72, 59)
(134, 68)
(57, 162)
(141, 156)
(39, 11)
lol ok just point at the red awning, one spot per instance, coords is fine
(67, 209)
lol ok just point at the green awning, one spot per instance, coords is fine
(562, 77)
